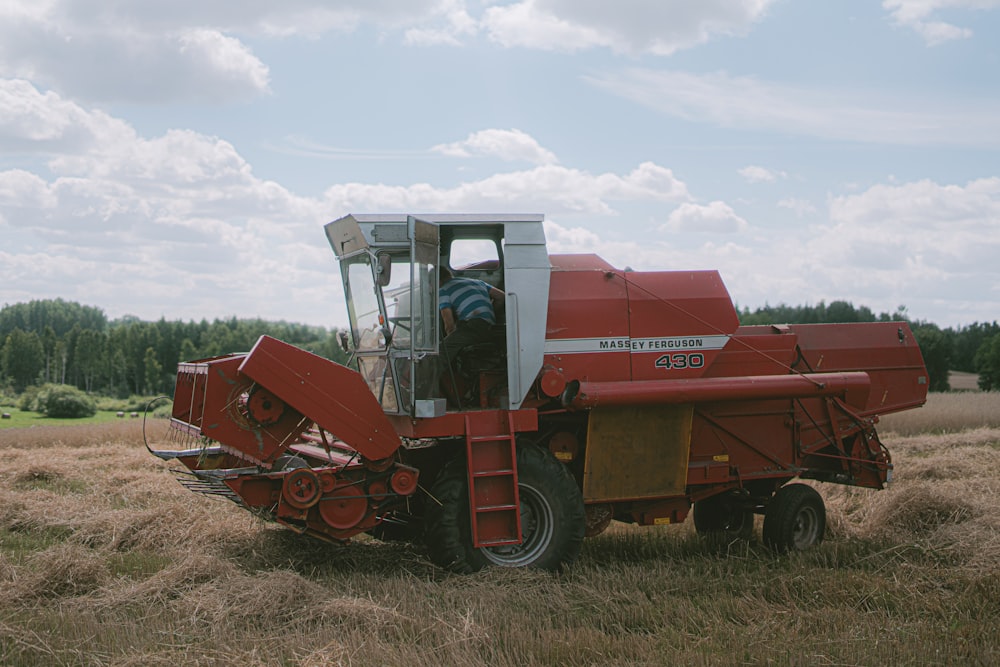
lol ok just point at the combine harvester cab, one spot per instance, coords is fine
(601, 395)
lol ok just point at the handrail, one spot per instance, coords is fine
(513, 365)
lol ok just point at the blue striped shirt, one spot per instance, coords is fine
(469, 298)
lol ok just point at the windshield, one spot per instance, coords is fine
(362, 302)
(395, 340)
(410, 304)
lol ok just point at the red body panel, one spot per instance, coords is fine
(588, 305)
(769, 402)
(210, 401)
(887, 351)
(673, 318)
(608, 325)
(334, 396)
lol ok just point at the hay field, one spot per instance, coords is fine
(106, 560)
(959, 381)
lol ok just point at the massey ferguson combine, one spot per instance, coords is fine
(608, 394)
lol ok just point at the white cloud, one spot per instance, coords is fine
(225, 55)
(457, 23)
(921, 242)
(168, 221)
(431, 37)
(757, 174)
(22, 189)
(553, 189)
(929, 246)
(801, 207)
(302, 17)
(504, 144)
(638, 26)
(39, 122)
(186, 50)
(915, 14)
(750, 104)
(926, 207)
(716, 217)
(179, 222)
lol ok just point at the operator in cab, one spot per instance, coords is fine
(468, 310)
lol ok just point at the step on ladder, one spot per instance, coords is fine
(494, 504)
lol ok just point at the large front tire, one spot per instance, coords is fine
(795, 519)
(552, 517)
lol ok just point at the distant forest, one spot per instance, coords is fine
(65, 342)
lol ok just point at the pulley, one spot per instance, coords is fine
(301, 489)
(344, 508)
(263, 407)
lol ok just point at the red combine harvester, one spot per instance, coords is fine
(606, 395)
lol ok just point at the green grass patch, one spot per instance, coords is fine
(23, 419)
(40, 479)
(18, 544)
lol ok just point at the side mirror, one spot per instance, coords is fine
(384, 269)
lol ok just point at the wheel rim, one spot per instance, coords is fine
(537, 528)
(806, 528)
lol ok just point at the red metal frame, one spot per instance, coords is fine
(494, 500)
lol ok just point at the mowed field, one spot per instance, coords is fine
(106, 560)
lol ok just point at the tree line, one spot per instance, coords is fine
(63, 342)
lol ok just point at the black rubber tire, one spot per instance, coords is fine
(795, 519)
(722, 517)
(552, 517)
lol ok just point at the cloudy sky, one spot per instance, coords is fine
(179, 159)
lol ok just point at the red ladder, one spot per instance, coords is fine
(494, 504)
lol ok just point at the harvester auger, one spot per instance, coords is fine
(612, 395)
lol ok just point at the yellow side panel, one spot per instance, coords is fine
(637, 452)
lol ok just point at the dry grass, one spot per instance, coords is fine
(959, 381)
(106, 560)
(949, 412)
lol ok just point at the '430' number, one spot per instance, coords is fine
(681, 360)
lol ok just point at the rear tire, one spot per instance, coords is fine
(552, 517)
(722, 517)
(795, 519)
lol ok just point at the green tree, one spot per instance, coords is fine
(988, 364)
(80, 347)
(49, 343)
(935, 346)
(23, 358)
(116, 364)
(968, 341)
(188, 351)
(90, 355)
(153, 372)
(60, 315)
(137, 339)
(836, 312)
